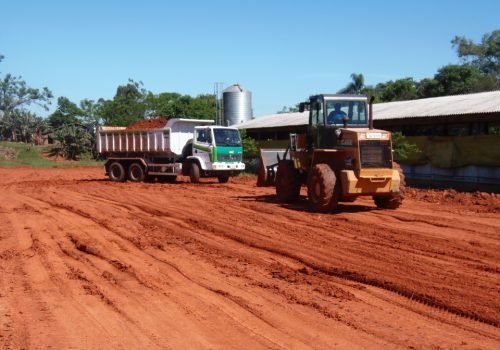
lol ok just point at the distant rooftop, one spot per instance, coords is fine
(477, 103)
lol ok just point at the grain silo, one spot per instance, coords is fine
(237, 103)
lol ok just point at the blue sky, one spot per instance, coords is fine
(282, 51)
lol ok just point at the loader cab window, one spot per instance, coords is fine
(317, 116)
(317, 123)
(356, 111)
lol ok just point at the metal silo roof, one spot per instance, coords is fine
(235, 88)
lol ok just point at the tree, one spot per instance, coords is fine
(16, 94)
(398, 90)
(484, 56)
(457, 79)
(250, 148)
(66, 113)
(89, 111)
(73, 141)
(21, 125)
(289, 109)
(402, 148)
(355, 86)
(128, 105)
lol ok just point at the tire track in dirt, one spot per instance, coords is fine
(349, 275)
(244, 258)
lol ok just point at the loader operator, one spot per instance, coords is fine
(336, 116)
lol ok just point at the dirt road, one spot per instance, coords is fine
(90, 264)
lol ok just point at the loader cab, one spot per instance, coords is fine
(329, 113)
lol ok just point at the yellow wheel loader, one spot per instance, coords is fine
(340, 158)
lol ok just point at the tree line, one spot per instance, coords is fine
(478, 71)
(72, 123)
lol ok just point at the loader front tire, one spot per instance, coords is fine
(322, 189)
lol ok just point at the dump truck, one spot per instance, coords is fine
(193, 147)
(340, 158)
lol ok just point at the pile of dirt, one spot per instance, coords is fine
(155, 123)
(8, 153)
(476, 201)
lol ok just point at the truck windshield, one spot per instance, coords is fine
(227, 137)
(337, 110)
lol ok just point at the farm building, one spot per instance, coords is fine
(458, 137)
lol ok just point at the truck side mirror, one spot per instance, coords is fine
(301, 107)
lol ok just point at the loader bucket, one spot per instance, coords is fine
(268, 164)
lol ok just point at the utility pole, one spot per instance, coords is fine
(218, 86)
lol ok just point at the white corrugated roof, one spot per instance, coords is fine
(276, 120)
(478, 103)
(483, 102)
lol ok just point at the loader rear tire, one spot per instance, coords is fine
(194, 173)
(322, 189)
(287, 182)
(116, 172)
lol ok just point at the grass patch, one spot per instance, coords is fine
(14, 154)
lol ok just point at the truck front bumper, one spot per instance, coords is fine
(228, 166)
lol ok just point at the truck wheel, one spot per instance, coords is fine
(223, 178)
(136, 172)
(322, 189)
(194, 173)
(116, 172)
(287, 182)
(394, 200)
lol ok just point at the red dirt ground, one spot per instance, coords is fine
(90, 264)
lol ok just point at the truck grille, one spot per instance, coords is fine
(375, 154)
(229, 157)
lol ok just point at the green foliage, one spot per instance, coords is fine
(402, 148)
(73, 142)
(480, 71)
(484, 56)
(398, 90)
(89, 110)
(356, 86)
(250, 148)
(127, 107)
(15, 94)
(289, 109)
(171, 104)
(15, 122)
(66, 113)
(21, 125)
(32, 156)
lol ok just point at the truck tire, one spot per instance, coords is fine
(287, 182)
(194, 173)
(136, 172)
(322, 189)
(223, 178)
(394, 200)
(116, 172)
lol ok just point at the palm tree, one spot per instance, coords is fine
(355, 86)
